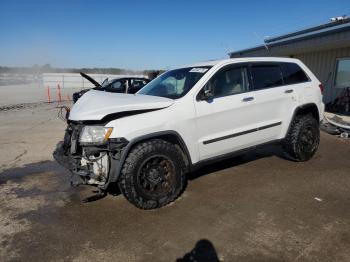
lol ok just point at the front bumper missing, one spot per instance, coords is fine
(82, 162)
(68, 161)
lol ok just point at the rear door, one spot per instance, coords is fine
(227, 122)
(274, 100)
(295, 78)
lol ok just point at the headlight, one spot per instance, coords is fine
(95, 134)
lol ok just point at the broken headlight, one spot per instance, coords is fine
(95, 134)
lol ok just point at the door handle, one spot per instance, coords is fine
(246, 99)
(289, 91)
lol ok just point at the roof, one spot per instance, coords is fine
(208, 63)
(324, 29)
(241, 60)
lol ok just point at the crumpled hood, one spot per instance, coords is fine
(94, 105)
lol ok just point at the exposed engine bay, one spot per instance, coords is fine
(89, 164)
(98, 166)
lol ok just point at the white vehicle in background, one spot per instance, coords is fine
(147, 142)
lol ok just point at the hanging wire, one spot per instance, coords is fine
(63, 113)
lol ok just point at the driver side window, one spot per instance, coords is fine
(230, 81)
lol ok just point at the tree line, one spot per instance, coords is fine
(39, 69)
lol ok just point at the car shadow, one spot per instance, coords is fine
(236, 160)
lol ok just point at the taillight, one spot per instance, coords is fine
(321, 88)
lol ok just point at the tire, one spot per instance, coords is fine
(303, 138)
(153, 174)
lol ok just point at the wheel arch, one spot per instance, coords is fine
(169, 135)
(308, 108)
(303, 110)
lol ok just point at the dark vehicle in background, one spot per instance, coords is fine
(128, 85)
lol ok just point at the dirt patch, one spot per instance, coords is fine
(21, 106)
(25, 191)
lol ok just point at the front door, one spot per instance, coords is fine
(227, 122)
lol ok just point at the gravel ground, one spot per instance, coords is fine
(257, 207)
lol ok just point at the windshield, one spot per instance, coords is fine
(174, 83)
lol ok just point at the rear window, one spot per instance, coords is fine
(266, 76)
(293, 74)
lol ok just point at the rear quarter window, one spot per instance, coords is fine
(293, 74)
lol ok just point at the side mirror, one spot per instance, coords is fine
(207, 92)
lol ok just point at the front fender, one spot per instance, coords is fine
(118, 163)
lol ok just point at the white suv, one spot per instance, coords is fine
(147, 142)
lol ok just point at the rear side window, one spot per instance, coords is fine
(266, 76)
(293, 74)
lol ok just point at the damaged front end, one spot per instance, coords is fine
(90, 162)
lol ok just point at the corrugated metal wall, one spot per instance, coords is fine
(323, 65)
(318, 53)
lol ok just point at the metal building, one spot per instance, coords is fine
(325, 49)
